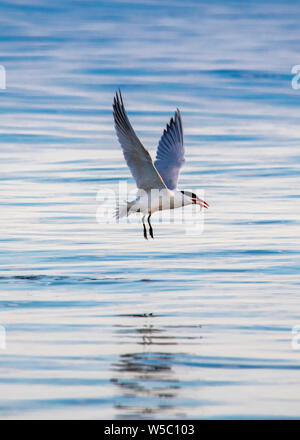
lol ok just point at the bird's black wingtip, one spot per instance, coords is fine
(118, 99)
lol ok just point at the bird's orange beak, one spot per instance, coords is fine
(200, 202)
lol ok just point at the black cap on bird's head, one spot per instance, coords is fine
(195, 199)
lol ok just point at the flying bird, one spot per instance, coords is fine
(156, 182)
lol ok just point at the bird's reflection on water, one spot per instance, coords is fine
(146, 380)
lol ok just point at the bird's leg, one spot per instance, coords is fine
(150, 226)
(145, 230)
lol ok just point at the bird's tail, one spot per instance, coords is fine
(122, 209)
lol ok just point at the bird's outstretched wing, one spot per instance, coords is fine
(137, 157)
(170, 152)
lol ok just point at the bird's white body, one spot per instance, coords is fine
(156, 200)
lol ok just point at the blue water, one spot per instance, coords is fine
(196, 323)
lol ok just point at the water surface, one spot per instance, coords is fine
(99, 322)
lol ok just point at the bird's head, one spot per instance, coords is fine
(193, 199)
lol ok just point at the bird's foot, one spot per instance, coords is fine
(145, 233)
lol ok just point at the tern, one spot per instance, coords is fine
(156, 181)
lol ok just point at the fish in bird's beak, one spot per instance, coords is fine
(200, 202)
